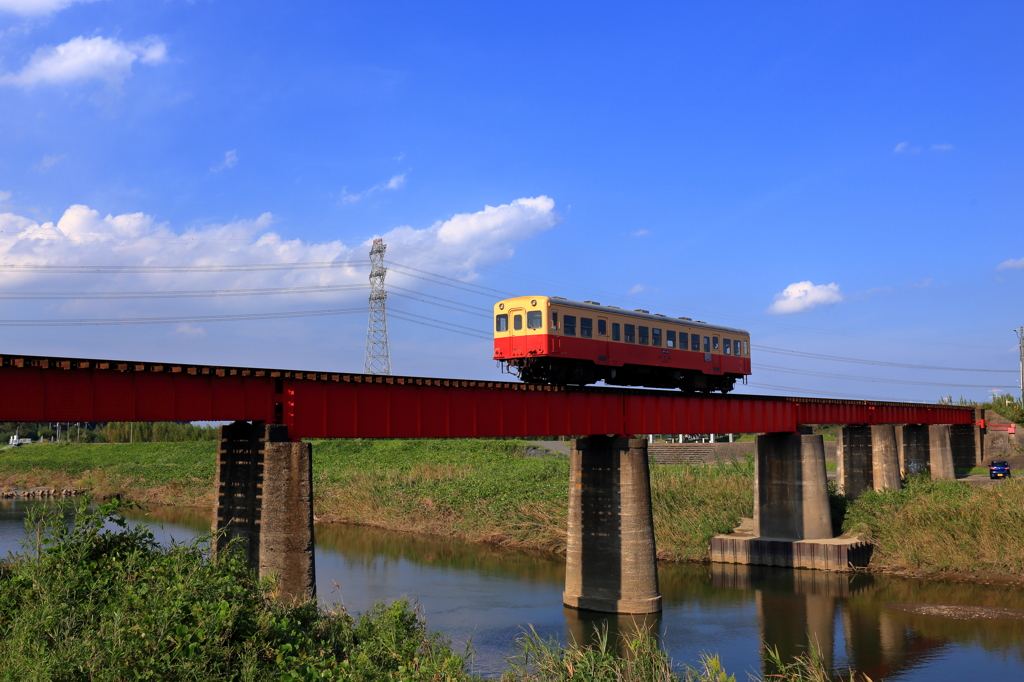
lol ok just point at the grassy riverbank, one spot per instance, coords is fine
(488, 491)
(474, 490)
(940, 527)
(86, 602)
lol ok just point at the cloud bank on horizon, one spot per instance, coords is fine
(802, 296)
(83, 236)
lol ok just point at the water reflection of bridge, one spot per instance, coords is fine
(844, 615)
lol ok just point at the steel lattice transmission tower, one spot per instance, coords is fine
(378, 352)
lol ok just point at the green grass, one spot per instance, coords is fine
(172, 473)
(943, 526)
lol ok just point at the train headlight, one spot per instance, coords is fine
(501, 306)
(533, 302)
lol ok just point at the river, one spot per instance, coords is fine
(488, 595)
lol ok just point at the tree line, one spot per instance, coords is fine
(108, 432)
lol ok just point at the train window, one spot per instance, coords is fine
(643, 335)
(517, 322)
(602, 327)
(534, 319)
(630, 333)
(501, 323)
(569, 325)
(746, 350)
(554, 320)
(707, 344)
(615, 331)
(694, 341)
(714, 342)
(656, 337)
(727, 343)
(670, 339)
(586, 328)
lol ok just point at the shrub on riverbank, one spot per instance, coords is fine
(943, 526)
(90, 603)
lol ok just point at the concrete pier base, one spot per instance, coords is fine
(264, 498)
(834, 554)
(792, 526)
(885, 464)
(940, 455)
(791, 487)
(611, 562)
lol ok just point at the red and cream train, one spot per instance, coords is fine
(552, 340)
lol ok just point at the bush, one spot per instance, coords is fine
(85, 602)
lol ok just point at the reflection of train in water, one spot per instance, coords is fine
(554, 341)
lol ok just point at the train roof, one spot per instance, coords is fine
(643, 314)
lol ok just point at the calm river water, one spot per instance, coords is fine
(488, 596)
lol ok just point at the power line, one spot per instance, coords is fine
(413, 297)
(178, 319)
(149, 269)
(648, 303)
(431, 322)
(825, 375)
(836, 358)
(829, 394)
(201, 293)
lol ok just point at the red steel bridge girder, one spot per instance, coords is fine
(337, 405)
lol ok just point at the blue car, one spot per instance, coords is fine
(999, 469)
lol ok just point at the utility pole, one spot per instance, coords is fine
(1020, 340)
(377, 359)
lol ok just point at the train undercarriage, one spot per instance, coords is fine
(561, 371)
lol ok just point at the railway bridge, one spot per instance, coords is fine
(264, 469)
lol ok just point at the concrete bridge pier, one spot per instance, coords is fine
(940, 453)
(885, 458)
(611, 561)
(928, 448)
(791, 487)
(867, 458)
(264, 485)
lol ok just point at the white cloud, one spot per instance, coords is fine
(942, 147)
(641, 233)
(230, 161)
(801, 296)
(28, 8)
(905, 148)
(1012, 264)
(396, 182)
(478, 238)
(48, 162)
(636, 289)
(84, 236)
(4, 196)
(84, 59)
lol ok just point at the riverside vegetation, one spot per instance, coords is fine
(87, 602)
(488, 491)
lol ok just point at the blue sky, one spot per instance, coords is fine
(842, 179)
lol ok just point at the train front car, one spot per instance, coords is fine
(551, 340)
